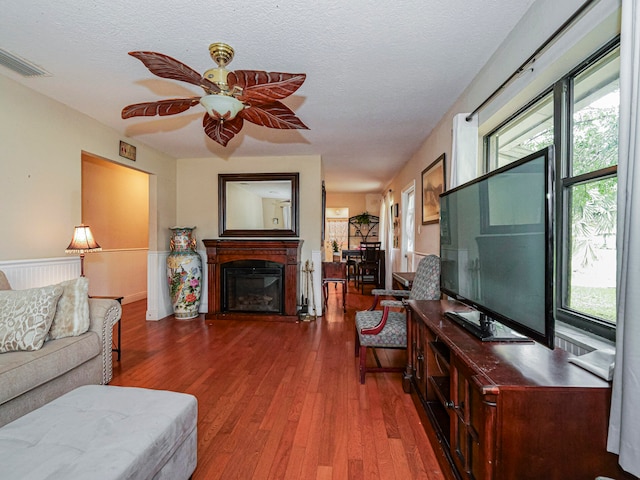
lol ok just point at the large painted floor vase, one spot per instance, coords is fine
(184, 273)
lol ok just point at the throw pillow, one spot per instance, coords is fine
(26, 316)
(4, 283)
(72, 312)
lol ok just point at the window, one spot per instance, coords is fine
(589, 189)
(526, 133)
(579, 115)
(338, 230)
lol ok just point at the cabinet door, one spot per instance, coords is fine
(472, 421)
(420, 365)
(418, 343)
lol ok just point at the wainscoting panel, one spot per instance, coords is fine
(40, 272)
(316, 262)
(158, 301)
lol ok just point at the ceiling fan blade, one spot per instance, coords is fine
(162, 107)
(221, 131)
(166, 67)
(260, 87)
(272, 115)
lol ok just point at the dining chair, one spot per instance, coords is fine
(368, 267)
(352, 257)
(336, 273)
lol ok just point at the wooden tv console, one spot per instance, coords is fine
(504, 410)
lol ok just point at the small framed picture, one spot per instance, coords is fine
(433, 178)
(127, 151)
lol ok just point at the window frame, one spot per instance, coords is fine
(562, 93)
(487, 159)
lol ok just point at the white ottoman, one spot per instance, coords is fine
(104, 432)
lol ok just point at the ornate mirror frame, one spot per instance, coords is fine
(226, 181)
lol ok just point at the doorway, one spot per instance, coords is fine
(115, 204)
(337, 229)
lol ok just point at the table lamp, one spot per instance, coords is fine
(82, 242)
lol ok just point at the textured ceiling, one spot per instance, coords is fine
(380, 75)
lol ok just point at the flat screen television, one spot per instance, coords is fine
(497, 251)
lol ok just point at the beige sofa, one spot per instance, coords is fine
(29, 379)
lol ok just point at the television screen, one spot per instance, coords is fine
(496, 249)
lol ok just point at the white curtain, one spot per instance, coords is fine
(385, 235)
(624, 423)
(464, 150)
(382, 226)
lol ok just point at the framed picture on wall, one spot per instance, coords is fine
(433, 178)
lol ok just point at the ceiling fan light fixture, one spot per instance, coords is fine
(221, 53)
(220, 106)
(218, 76)
(230, 98)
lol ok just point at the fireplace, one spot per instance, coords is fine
(252, 286)
(253, 279)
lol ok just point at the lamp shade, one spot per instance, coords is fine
(83, 241)
(221, 106)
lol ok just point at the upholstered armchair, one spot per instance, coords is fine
(387, 327)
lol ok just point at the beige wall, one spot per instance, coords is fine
(41, 147)
(251, 216)
(355, 202)
(41, 151)
(198, 192)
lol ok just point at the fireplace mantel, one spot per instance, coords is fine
(286, 252)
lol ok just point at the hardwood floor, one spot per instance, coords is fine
(280, 400)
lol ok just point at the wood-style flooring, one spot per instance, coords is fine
(280, 400)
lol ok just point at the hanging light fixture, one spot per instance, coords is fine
(220, 106)
(230, 97)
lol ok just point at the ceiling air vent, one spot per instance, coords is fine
(21, 66)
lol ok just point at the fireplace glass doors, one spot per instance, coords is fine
(252, 286)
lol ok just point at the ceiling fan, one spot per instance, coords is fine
(230, 98)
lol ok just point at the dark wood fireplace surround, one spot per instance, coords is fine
(286, 252)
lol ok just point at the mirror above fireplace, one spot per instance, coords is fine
(258, 204)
